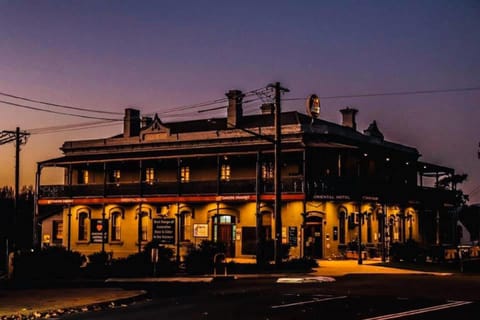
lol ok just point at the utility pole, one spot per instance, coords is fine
(19, 137)
(278, 171)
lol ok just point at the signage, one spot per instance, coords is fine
(164, 230)
(200, 230)
(313, 106)
(292, 236)
(99, 228)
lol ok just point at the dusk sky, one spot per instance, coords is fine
(158, 55)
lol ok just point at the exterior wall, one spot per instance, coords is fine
(323, 216)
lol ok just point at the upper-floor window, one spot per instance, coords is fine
(83, 226)
(267, 171)
(225, 172)
(185, 174)
(83, 177)
(149, 175)
(115, 175)
(116, 226)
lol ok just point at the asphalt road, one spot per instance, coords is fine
(350, 297)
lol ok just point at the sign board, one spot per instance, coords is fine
(200, 230)
(313, 106)
(98, 228)
(164, 231)
(292, 236)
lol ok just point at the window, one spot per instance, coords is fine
(341, 223)
(267, 171)
(185, 174)
(225, 172)
(150, 175)
(144, 226)
(83, 226)
(185, 226)
(57, 231)
(83, 177)
(115, 175)
(116, 226)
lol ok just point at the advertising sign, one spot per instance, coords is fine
(164, 231)
(200, 230)
(99, 227)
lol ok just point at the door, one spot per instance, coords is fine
(224, 231)
(314, 240)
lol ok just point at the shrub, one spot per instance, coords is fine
(199, 260)
(48, 264)
(409, 251)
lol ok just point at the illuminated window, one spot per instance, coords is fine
(267, 171)
(83, 177)
(116, 226)
(57, 231)
(83, 226)
(225, 172)
(185, 226)
(149, 175)
(144, 225)
(115, 175)
(184, 174)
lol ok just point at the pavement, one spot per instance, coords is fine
(51, 302)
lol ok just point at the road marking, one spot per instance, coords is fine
(419, 311)
(305, 302)
(305, 280)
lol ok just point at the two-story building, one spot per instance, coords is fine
(183, 182)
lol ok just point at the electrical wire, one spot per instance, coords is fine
(55, 112)
(58, 105)
(399, 93)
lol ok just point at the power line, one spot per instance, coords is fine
(55, 112)
(78, 126)
(58, 105)
(399, 93)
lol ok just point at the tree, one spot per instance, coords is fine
(451, 183)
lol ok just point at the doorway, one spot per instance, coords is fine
(314, 239)
(224, 231)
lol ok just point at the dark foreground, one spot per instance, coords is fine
(350, 297)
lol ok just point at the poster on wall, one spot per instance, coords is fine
(99, 227)
(200, 230)
(164, 231)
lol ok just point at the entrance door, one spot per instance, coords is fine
(314, 240)
(224, 231)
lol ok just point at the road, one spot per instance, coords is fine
(350, 297)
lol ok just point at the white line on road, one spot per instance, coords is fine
(306, 302)
(419, 311)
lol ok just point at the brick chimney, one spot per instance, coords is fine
(234, 111)
(131, 123)
(348, 117)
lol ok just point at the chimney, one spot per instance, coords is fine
(234, 111)
(267, 108)
(131, 123)
(348, 115)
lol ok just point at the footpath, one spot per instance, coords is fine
(53, 302)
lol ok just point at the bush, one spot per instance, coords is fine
(50, 263)
(199, 260)
(300, 264)
(409, 251)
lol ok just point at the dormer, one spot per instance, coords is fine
(155, 131)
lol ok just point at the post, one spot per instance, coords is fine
(17, 187)
(36, 241)
(260, 257)
(69, 226)
(360, 216)
(384, 215)
(278, 172)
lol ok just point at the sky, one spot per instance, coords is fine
(160, 55)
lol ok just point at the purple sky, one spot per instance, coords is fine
(155, 55)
